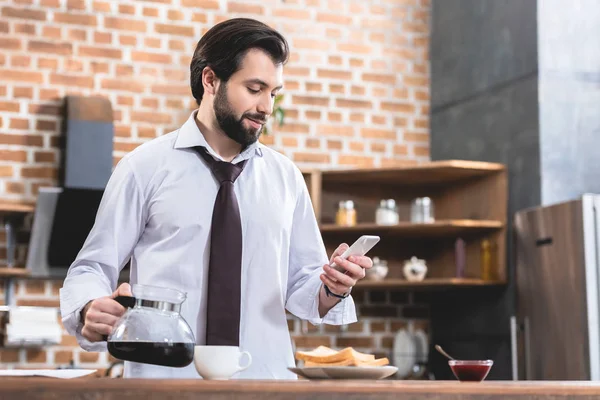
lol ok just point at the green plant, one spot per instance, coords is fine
(278, 114)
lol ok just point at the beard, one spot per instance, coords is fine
(232, 125)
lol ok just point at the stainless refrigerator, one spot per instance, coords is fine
(555, 334)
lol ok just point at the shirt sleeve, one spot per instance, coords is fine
(307, 257)
(95, 272)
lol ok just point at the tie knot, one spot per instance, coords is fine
(223, 171)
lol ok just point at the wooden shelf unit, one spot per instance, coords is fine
(427, 284)
(15, 272)
(470, 201)
(13, 208)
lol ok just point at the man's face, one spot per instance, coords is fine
(243, 104)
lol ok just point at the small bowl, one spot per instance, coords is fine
(470, 370)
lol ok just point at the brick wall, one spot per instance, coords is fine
(356, 94)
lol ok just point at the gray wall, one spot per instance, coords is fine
(569, 98)
(484, 93)
(516, 82)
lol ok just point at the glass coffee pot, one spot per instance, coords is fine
(152, 331)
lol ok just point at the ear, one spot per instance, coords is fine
(210, 81)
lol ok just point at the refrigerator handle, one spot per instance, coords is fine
(527, 344)
(514, 348)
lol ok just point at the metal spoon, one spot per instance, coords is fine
(442, 352)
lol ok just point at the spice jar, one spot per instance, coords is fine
(487, 271)
(346, 214)
(387, 213)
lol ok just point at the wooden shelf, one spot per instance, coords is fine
(430, 283)
(13, 272)
(435, 172)
(442, 228)
(7, 207)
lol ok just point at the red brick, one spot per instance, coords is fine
(354, 48)
(356, 117)
(416, 81)
(311, 44)
(421, 123)
(29, 29)
(12, 12)
(421, 151)
(48, 63)
(347, 103)
(378, 147)
(127, 40)
(23, 140)
(37, 356)
(174, 29)
(18, 123)
(101, 6)
(151, 117)
(357, 91)
(334, 116)
(125, 147)
(387, 79)
(357, 161)
(313, 87)
(173, 89)
(50, 47)
(310, 100)
(335, 130)
(291, 13)
(13, 155)
(4, 28)
(78, 34)
(199, 17)
(159, 58)
(127, 9)
(311, 157)
(9, 106)
(334, 18)
(76, 19)
(85, 357)
(150, 103)
(10, 44)
(203, 4)
(356, 63)
(44, 157)
(313, 143)
(378, 133)
(153, 43)
(416, 137)
(86, 81)
(243, 8)
(175, 15)
(297, 71)
(14, 187)
(103, 52)
(125, 24)
(341, 89)
(294, 128)
(102, 37)
(63, 357)
(335, 144)
(42, 125)
(50, 3)
(38, 172)
(310, 342)
(20, 61)
(312, 114)
(6, 171)
(333, 74)
(398, 107)
(9, 355)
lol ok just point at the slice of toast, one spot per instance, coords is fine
(323, 354)
(350, 362)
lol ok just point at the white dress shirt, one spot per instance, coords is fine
(157, 210)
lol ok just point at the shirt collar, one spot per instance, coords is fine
(189, 135)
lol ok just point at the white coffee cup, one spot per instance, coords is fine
(219, 362)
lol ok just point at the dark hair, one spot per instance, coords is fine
(224, 46)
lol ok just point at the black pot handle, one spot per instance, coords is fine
(125, 301)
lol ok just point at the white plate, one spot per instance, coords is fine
(345, 372)
(49, 373)
(404, 353)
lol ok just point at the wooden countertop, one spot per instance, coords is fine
(146, 389)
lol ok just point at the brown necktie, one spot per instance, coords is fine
(225, 265)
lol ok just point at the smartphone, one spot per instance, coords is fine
(359, 248)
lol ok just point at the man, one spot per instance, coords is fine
(163, 208)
